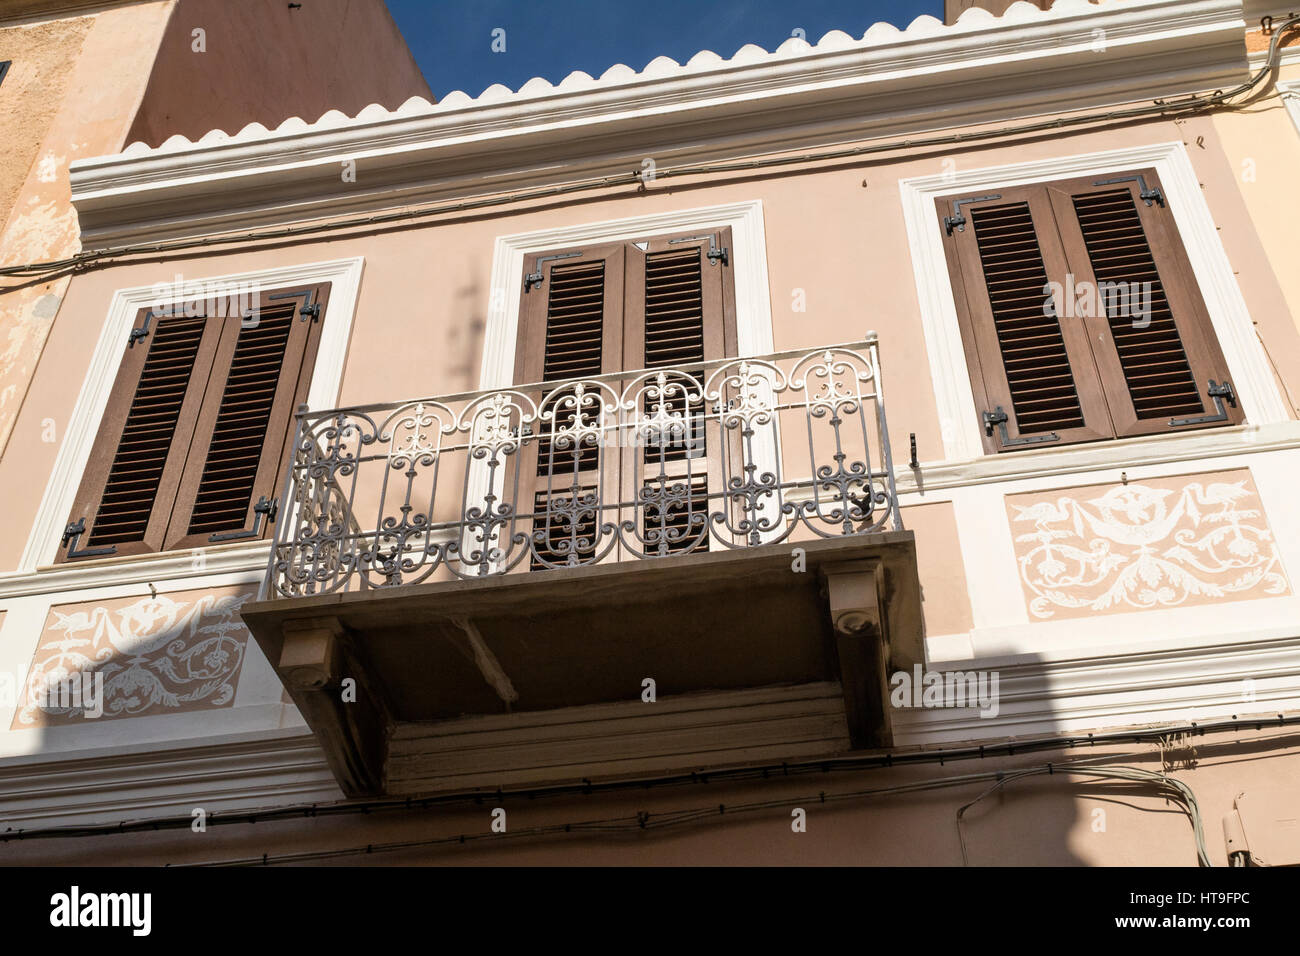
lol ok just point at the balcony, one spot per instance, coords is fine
(714, 529)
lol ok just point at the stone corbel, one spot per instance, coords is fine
(855, 591)
(351, 723)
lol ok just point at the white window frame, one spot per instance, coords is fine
(1290, 93)
(344, 276)
(959, 420)
(748, 257)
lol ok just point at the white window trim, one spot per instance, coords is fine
(1290, 93)
(344, 276)
(1247, 364)
(748, 257)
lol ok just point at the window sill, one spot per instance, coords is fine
(243, 556)
(1099, 456)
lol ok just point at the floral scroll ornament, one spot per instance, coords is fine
(1139, 547)
(155, 655)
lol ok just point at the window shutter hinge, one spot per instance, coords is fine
(308, 309)
(715, 254)
(1218, 392)
(74, 531)
(998, 418)
(137, 334)
(957, 220)
(535, 279)
(265, 508)
(1148, 194)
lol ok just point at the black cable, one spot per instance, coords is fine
(849, 763)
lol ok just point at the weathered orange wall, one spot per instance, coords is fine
(78, 83)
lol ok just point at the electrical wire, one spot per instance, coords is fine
(644, 821)
(1166, 109)
(1173, 787)
(841, 764)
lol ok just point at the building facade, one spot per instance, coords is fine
(511, 479)
(84, 79)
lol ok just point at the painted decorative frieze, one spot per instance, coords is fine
(1157, 543)
(135, 657)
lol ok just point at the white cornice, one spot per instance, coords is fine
(1027, 62)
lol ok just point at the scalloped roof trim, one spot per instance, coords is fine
(879, 34)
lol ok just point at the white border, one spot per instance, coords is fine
(344, 276)
(748, 259)
(1290, 93)
(958, 417)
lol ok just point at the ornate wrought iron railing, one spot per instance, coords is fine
(638, 465)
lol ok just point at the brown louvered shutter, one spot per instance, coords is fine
(1080, 314)
(1033, 375)
(680, 314)
(659, 302)
(196, 429)
(261, 373)
(125, 500)
(570, 328)
(1150, 333)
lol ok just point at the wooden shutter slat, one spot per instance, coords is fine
(222, 500)
(164, 396)
(1044, 345)
(1023, 360)
(1157, 370)
(574, 327)
(1170, 387)
(241, 443)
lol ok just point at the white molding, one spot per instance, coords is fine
(143, 781)
(344, 275)
(959, 421)
(1037, 698)
(1290, 93)
(985, 69)
(748, 259)
(1040, 696)
(248, 557)
(932, 479)
(1286, 57)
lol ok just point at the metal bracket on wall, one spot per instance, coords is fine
(265, 508)
(1147, 195)
(957, 220)
(143, 331)
(74, 531)
(715, 254)
(309, 309)
(1218, 393)
(999, 418)
(538, 277)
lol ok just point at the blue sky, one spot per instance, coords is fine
(452, 41)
